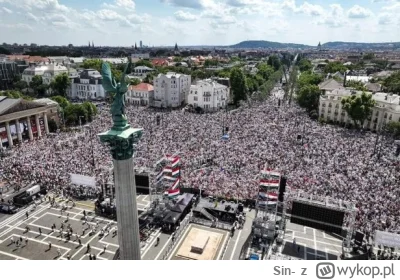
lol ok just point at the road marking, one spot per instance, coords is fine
(83, 246)
(152, 243)
(163, 248)
(236, 243)
(13, 256)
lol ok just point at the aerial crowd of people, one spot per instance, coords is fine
(328, 160)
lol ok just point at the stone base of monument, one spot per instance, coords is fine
(200, 245)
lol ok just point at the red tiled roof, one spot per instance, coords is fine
(142, 87)
(159, 62)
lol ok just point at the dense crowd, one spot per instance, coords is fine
(329, 161)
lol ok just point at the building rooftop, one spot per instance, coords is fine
(46, 101)
(142, 87)
(7, 103)
(330, 84)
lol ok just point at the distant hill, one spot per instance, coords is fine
(329, 45)
(354, 45)
(267, 44)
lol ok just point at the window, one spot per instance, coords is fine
(195, 98)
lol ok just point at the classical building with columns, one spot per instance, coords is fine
(22, 120)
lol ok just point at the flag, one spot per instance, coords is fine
(175, 171)
(159, 176)
(176, 184)
(175, 162)
(167, 170)
(169, 178)
(173, 193)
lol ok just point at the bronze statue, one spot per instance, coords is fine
(119, 89)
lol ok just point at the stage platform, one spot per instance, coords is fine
(216, 239)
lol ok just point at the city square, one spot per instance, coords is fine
(181, 144)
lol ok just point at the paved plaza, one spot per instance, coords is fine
(311, 244)
(43, 217)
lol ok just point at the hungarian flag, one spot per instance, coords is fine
(175, 171)
(175, 162)
(269, 183)
(159, 176)
(169, 178)
(167, 170)
(267, 196)
(176, 184)
(173, 193)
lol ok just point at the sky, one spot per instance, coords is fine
(197, 22)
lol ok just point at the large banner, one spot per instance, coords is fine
(78, 179)
(3, 135)
(387, 239)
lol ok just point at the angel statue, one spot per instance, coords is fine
(119, 89)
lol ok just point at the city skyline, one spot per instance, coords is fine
(197, 22)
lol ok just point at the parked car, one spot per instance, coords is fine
(8, 209)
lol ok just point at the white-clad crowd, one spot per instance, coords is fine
(331, 161)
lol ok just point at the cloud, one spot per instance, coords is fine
(359, 12)
(185, 16)
(334, 18)
(19, 26)
(193, 4)
(8, 11)
(385, 19)
(310, 9)
(128, 5)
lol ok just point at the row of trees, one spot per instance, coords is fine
(308, 92)
(75, 114)
(37, 89)
(242, 85)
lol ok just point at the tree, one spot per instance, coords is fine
(392, 83)
(210, 63)
(265, 70)
(61, 100)
(143, 62)
(177, 59)
(20, 85)
(307, 78)
(357, 85)
(358, 107)
(60, 84)
(304, 65)
(368, 56)
(274, 61)
(92, 64)
(134, 81)
(52, 126)
(333, 67)
(238, 85)
(393, 128)
(36, 82)
(308, 97)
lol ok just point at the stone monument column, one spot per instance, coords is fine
(122, 148)
(122, 140)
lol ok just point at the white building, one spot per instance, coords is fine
(387, 108)
(48, 72)
(86, 85)
(141, 94)
(170, 90)
(208, 95)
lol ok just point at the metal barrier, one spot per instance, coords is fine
(208, 223)
(184, 224)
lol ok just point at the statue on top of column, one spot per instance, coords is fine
(118, 89)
